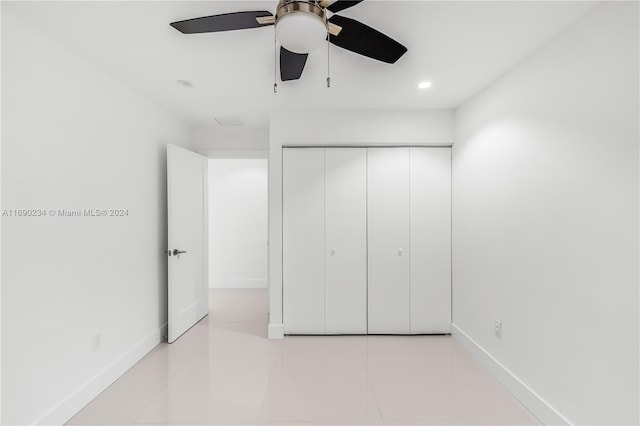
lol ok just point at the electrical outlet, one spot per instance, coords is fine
(497, 327)
(96, 341)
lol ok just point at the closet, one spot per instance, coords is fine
(366, 240)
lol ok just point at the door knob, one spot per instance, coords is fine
(333, 252)
(177, 252)
(399, 252)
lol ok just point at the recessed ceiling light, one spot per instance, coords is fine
(424, 85)
(184, 83)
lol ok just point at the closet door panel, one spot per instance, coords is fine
(430, 240)
(388, 240)
(303, 240)
(346, 240)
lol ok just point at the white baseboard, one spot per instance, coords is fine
(276, 331)
(529, 398)
(250, 283)
(67, 408)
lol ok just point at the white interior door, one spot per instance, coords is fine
(303, 240)
(389, 240)
(430, 240)
(187, 239)
(346, 240)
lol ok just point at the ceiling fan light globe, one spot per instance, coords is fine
(301, 32)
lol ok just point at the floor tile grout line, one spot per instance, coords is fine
(365, 361)
(264, 400)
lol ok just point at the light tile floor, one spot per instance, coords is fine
(225, 371)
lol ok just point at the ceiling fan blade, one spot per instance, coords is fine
(339, 5)
(224, 22)
(291, 64)
(360, 38)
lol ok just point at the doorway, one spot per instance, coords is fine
(238, 238)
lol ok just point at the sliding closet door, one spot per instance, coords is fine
(346, 240)
(303, 240)
(430, 240)
(389, 240)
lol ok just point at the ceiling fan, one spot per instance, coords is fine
(302, 26)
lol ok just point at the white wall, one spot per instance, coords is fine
(231, 142)
(336, 127)
(545, 222)
(75, 138)
(238, 223)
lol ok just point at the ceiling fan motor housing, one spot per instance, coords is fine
(301, 25)
(308, 6)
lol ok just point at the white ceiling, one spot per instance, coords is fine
(460, 46)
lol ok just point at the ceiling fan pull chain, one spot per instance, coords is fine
(328, 63)
(275, 63)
